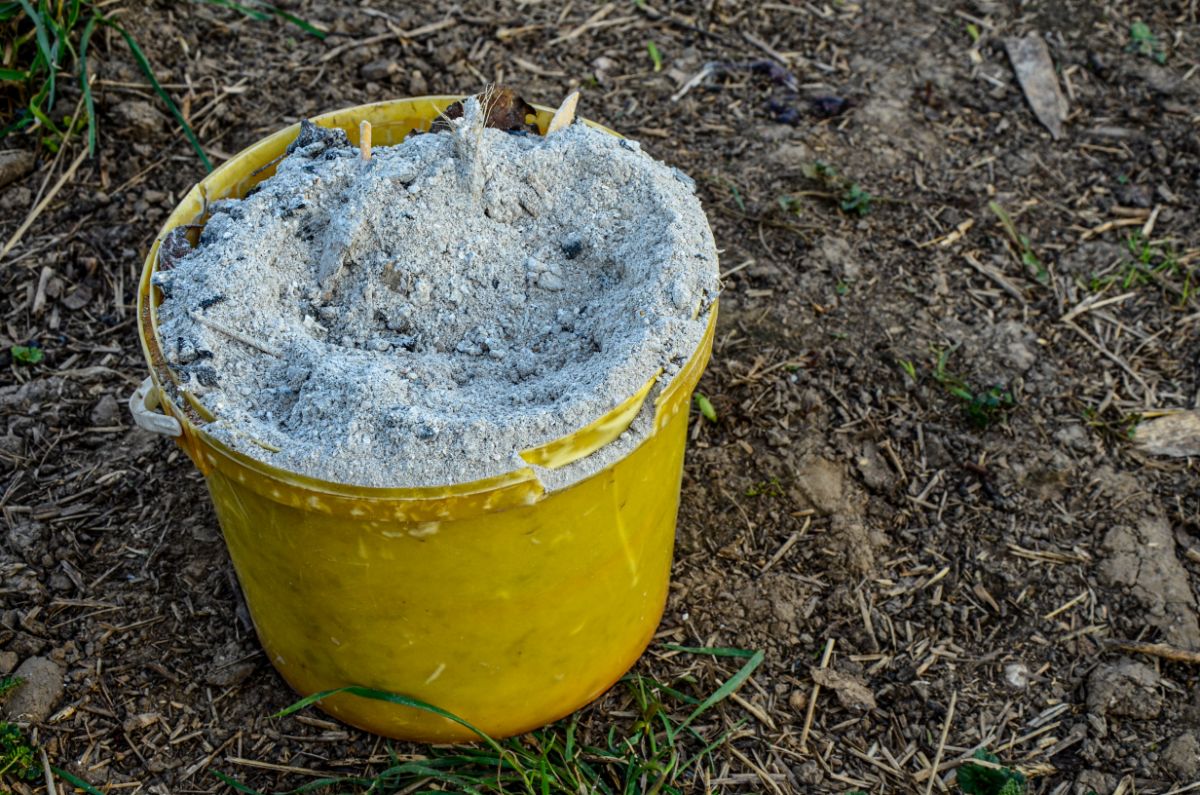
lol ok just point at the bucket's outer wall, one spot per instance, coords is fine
(504, 604)
(509, 620)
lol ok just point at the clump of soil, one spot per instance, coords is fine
(421, 317)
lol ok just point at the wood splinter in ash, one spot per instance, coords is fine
(565, 114)
(232, 333)
(364, 140)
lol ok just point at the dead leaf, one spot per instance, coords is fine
(1035, 72)
(506, 110)
(175, 245)
(851, 690)
(1175, 435)
(15, 164)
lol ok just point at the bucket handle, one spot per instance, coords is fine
(142, 405)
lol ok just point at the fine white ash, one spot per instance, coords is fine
(420, 318)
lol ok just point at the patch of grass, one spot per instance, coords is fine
(27, 354)
(851, 197)
(261, 11)
(983, 406)
(908, 367)
(1112, 423)
(1148, 264)
(17, 758)
(819, 171)
(1143, 42)
(990, 778)
(1151, 257)
(766, 488)
(9, 684)
(655, 55)
(706, 407)
(1024, 252)
(642, 754)
(855, 200)
(48, 40)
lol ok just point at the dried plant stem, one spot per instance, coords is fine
(812, 700)
(241, 337)
(941, 749)
(1162, 650)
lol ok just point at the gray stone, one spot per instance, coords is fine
(1090, 782)
(820, 481)
(379, 70)
(1181, 757)
(230, 675)
(1017, 675)
(25, 537)
(15, 164)
(1143, 560)
(1124, 689)
(12, 198)
(106, 412)
(874, 469)
(39, 692)
(142, 117)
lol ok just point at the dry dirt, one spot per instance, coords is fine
(976, 566)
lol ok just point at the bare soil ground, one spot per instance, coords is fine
(976, 538)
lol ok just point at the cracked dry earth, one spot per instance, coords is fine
(923, 451)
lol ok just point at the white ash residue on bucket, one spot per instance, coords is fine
(419, 318)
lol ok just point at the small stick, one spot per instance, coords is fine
(51, 789)
(1148, 229)
(1159, 650)
(1109, 225)
(565, 113)
(812, 701)
(245, 339)
(364, 140)
(937, 759)
(36, 211)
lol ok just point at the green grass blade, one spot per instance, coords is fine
(267, 11)
(43, 44)
(1006, 222)
(35, 107)
(85, 83)
(709, 747)
(148, 71)
(731, 684)
(323, 783)
(250, 12)
(75, 782)
(19, 124)
(300, 23)
(73, 14)
(391, 698)
(234, 784)
(62, 39)
(14, 74)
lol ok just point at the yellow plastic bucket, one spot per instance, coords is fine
(505, 603)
